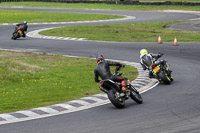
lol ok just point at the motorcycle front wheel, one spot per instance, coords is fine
(134, 94)
(118, 102)
(15, 35)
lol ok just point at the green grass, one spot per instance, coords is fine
(10, 16)
(29, 80)
(100, 6)
(133, 32)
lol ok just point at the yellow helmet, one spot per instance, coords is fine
(143, 51)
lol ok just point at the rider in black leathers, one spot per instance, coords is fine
(103, 70)
(24, 26)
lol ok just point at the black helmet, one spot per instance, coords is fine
(99, 59)
(25, 22)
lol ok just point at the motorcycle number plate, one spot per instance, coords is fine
(19, 31)
(156, 69)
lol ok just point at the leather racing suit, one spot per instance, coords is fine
(103, 71)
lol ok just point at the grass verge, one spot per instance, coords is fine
(29, 80)
(133, 32)
(16, 16)
(100, 6)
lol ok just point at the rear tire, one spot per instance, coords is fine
(164, 78)
(118, 103)
(134, 94)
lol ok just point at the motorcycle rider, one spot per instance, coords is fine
(153, 58)
(103, 70)
(24, 26)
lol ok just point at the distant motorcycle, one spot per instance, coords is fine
(18, 33)
(160, 69)
(115, 93)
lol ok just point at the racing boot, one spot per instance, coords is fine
(151, 74)
(169, 75)
(23, 35)
(171, 78)
(124, 89)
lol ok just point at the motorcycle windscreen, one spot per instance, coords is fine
(146, 59)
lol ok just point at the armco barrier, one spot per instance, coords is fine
(127, 2)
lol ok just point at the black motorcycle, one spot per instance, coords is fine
(19, 32)
(115, 93)
(160, 69)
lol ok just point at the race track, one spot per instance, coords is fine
(167, 108)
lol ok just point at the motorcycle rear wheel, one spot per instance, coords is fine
(118, 103)
(164, 78)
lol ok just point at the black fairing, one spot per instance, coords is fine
(147, 60)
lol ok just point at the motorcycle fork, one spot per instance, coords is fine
(132, 88)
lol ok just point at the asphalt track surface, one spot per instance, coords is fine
(166, 108)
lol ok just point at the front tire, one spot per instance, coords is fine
(134, 94)
(118, 103)
(15, 36)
